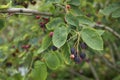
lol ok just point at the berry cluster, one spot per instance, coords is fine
(77, 57)
(43, 21)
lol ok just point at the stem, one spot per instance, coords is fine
(108, 29)
(93, 71)
(23, 10)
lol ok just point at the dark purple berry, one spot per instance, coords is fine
(77, 59)
(8, 64)
(54, 48)
(42, 24)
(73, 51)
(83, 45)
(82, 55)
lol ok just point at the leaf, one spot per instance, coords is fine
(39, 72)
(100, 32)
(85, 20)
(74, 2)
(60, 36)
(6, 6)
(2, 23)
(92, 38)
(53, 1)
(110, 8)
(60, 56)
(52, 61)
(66, 53)
(116, 13)
(54, 23)
(70, 19)
(76, 11)
(45, 44)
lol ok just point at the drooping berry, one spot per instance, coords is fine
(72, 56)
(54, 48)
(37, 17)
(73, 51)
(68, 7)
(83, 45)
(42, 24)
(26, 46)
(77, 59)
(33, 2)
(46, 20)
(25, 4)
(8, 64)
(82, 55)
(51, 34)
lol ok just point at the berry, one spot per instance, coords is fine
(42, 24)
(73, 51)
(8, 64)
(98, 22)
(37, 17)
(25, 4)
(82, 55)
(54, 48)
(72, 56)
(33, 2)
(68, 7)
(83, 45)
(51, 34)
(46, 20)
(77, 59)
(88, 15)
(26, 46)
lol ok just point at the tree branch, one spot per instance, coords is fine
(108, 29)
(93, 71)
(24, 10)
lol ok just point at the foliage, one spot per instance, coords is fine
(64, 41)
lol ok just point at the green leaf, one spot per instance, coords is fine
(76, 11)
(6, 6)
(100, 32)
(70, 19)
(110, 8)
(92, 38)
(116, 13)
(45, 44)
(52, 61)
(54, 23)
(66, 53)
(85, 20)
(2, 23)
(53, 1)
(60, 36)
(74, 2)
(39, 72)
(60, 56)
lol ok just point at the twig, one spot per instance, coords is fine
(116, 50)
(77, 74)
(112, 53)
(109, 64)
(108, 29)
(24, 10)
(93, 71)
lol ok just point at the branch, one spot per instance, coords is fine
(108, 29)
(93, 71)
(24, 10)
